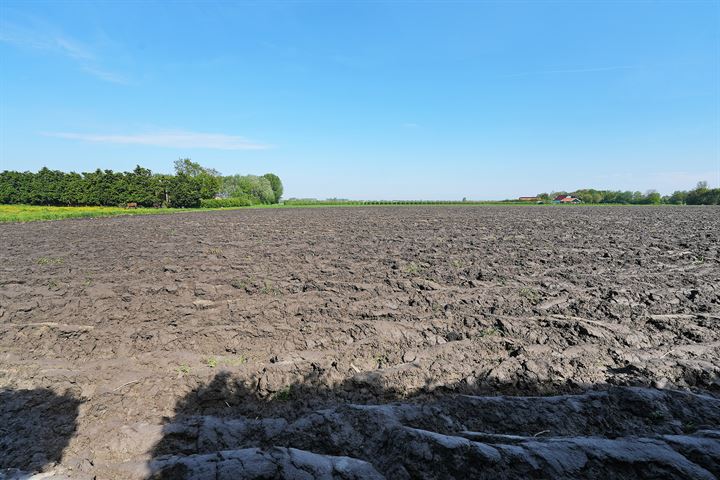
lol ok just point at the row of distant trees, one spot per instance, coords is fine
(190, 184)
(700, 195)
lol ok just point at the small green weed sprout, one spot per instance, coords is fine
(236, 361)
(49, 261)
(489, 332)
(530, 294)
(284, 395)
(689, 427)
(269, 289)
(656, 416)
(211, 362)
(412, 267)
(184, 369)
(381, 360)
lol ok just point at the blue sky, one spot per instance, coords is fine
(392, 100)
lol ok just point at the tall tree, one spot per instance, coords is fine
(276, 184)
(209, 178)
(257, 188)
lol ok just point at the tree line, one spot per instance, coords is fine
(187, 188)
(700, 195)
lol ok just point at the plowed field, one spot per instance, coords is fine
(395, 342)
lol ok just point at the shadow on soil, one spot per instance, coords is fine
(361, 429)
(35, 427)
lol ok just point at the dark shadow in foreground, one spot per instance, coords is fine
(361, 429)
(35, 427)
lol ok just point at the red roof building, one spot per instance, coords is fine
(566, 199)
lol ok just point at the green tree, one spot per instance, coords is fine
(141, 187)
(703, 195)
(652, 197)
(275, 184)
(258, 188)
(209, 178)
(677, 198)
(72, 189)
(183, 191)
(105, 187)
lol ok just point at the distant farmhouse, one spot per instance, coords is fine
(529, 199)
(566, 199)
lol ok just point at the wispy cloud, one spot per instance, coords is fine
(48, 39)
(25, 37)
(574, 70)
(172, 139)
(108, 76)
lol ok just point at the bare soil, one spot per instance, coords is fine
(389, 342)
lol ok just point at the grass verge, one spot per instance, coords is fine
(32, 213)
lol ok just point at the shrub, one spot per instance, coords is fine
(258, 188)
(226, 202)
